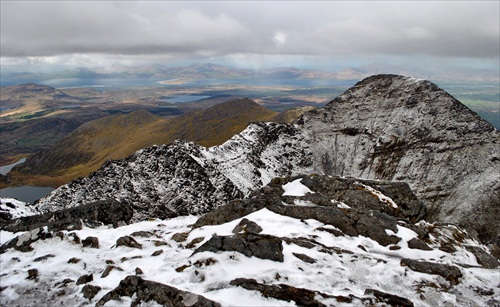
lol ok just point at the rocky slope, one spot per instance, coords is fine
(385, 127)
(299, 241)
(396, 128)
(185, 178)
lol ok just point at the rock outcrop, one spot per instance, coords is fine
(167, 182)
(146, 291)
(107, 212)
(184, 178)
(51, 224)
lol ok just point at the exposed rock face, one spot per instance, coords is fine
(386, 127)
(184, 178)
(367, 214)
(129, 242)
(160, 181)
(260, 246)
(401, 129)
(301, 297)
(50, 224)
(449, 272)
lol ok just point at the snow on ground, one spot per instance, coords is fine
(370, 266)
(295, 188)
(16, 207)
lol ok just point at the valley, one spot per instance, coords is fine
(33, 116)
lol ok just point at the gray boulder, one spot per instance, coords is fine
(260, 246)
(150, 291)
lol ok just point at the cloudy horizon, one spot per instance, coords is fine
(254, 34)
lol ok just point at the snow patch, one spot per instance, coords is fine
(16, 207)
(381, 197)
(295, 188)
(341, 273)
(340, 204)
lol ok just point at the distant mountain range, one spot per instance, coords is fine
(215, 71)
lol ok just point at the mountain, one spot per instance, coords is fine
(299, 241)
(291, 115)
(119, 136)
(386, 127)
(30, 100)
(396, 128)
(216, 71)
(30, 93)
(83, 149)
(21, 138)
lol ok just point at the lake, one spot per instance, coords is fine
(26, 193)
(6, 168)
(184, 98)
(113, 83)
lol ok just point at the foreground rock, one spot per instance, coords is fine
(105, 212)
(260, 246)
(369, 212)
(303, 240)
(147, 291)
(44, 226)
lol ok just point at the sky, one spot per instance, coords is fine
(250, 34)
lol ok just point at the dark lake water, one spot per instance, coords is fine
(184, 98)
(25, 193)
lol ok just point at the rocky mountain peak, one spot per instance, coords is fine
(407, 102)
(398, 128)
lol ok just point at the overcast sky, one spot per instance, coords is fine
(252, 34)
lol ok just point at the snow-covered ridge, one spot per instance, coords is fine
(187, 178)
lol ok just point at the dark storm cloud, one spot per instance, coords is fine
(231, 29)
(53, 28)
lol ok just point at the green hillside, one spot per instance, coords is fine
(114, 137)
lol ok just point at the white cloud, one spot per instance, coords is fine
(279, 38)
(456, 29)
